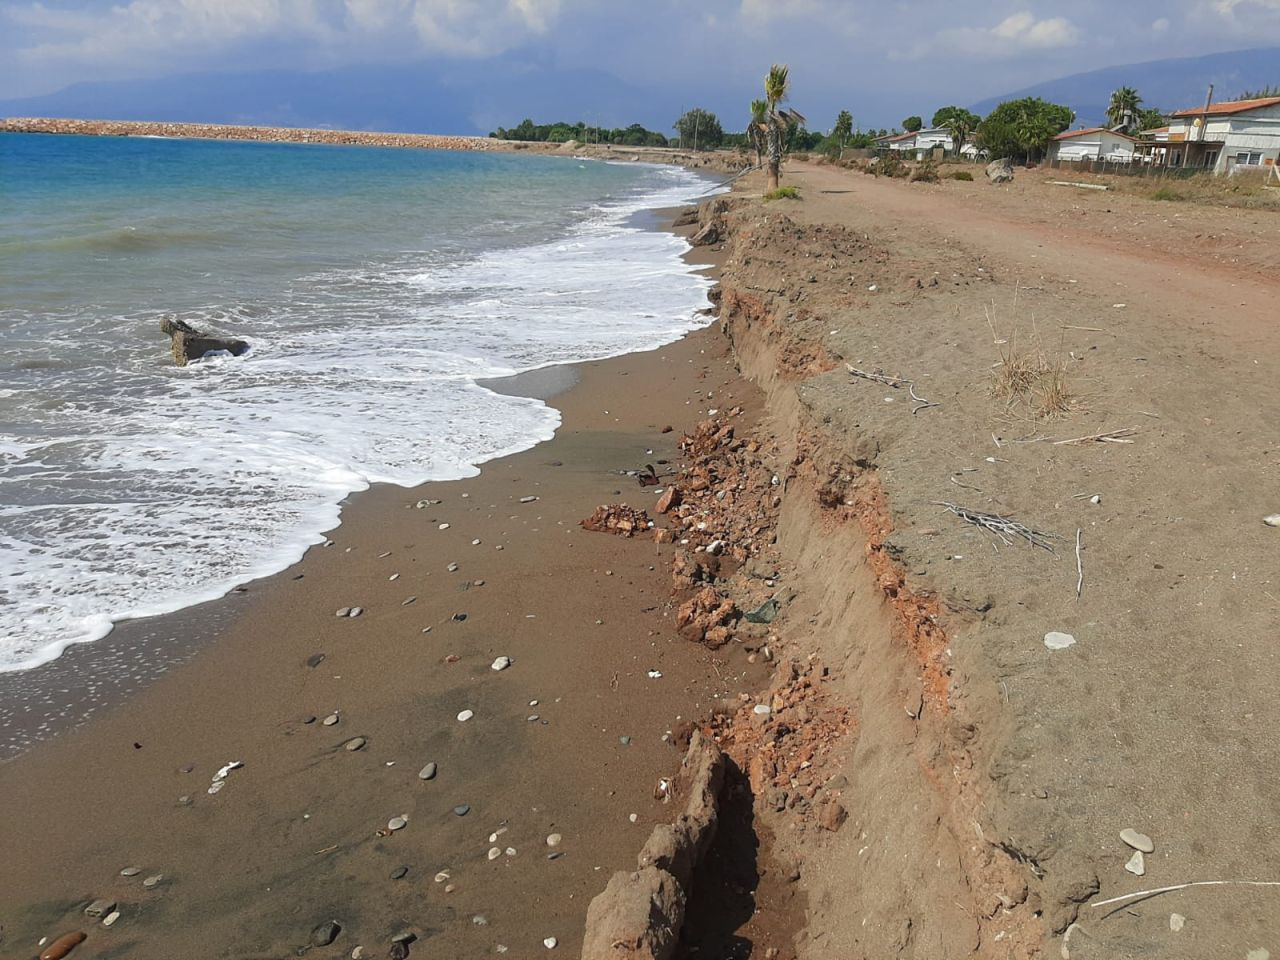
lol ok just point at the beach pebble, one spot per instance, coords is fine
(655, 674)
(342, 612)
(625, 741)
(153, 880)
(501, 663)
(326, 933)
(495, 853)
(1058, 641)
(330, 720)
(62, 946)
(444, 526)
(461, 810)
(452, 568)
(761, 709)
(428, 772)
(475, 543)
(1273, 520)
(357, 953)
(399, 872)
(528, 499)
(394, 576)
(355, 612)
(480, 920)
(550, 943)
(465, 715)
(1137, 864)
(99, 908)
(309, 718)
(553, 840)
(384, 555)
(130, 871)
(442, 876)
(1139, 841)
(315, 660)
(111, 918)
(397, 823)
(1176, 922)
(356, 743)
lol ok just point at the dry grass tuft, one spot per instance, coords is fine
(1030, 382)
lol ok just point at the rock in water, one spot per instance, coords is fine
(326, 933)
(189, 344)
(62, 946)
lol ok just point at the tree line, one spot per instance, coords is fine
(632, 136)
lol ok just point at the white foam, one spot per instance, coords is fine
(229, 469)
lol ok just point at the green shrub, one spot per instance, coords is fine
(1167, 193)
(889, 164)
(962, 175)
(783, 193)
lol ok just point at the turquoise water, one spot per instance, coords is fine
(376, 286)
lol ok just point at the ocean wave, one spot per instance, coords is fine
(136, 504)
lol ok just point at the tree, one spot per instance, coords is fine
(1149, 119)
(959, 122)
(1122, 111)
(843, 129)
(756, 128)
(1023, 128)
(912, 124)
(778, 122)
(699, 129)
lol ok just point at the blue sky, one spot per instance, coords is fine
(874, 57)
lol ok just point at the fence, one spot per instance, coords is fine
(1135, 168)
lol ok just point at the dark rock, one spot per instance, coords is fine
(326, 933)
(190, 344)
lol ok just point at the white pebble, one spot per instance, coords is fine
(1273, 520)
(1136, 865)
(550, 943)
(495, 853)
(553, 840)
(501, 663)
(111, 918)
(475, 543)
(397, 823)
(1058, 641)
(1176, 922)
(443, 526)
(465, 715)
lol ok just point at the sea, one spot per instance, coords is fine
(376, 287)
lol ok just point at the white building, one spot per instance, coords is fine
(1223, 137)
(922, 142)
(1092, 143)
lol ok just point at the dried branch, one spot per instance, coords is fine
(895, 382)
(1110, 436)
(1006, 529)
(1079, 567)
(1142, 894)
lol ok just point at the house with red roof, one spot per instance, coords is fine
(1226, 137)
(1092, 143)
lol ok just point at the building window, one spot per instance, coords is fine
(1211, 158)
(1246, 158)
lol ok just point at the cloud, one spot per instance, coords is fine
(170, 33)
(1160, 25)
(1016, 35)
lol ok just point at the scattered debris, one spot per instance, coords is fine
(1004, 528)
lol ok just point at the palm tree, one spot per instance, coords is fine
(960, 127)
(756, 129)
(778, 121)
(1123, 109)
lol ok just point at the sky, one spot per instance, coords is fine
(874, 58)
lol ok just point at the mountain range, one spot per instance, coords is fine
(468, 97)
(1166, 85)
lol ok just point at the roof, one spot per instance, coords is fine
(1089, 131)
(896, 137)
(1228, 107)
(1155, 130)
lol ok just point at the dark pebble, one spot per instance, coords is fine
(555, 856)
(398, 951)
(308, 719)
(459, 617)
(462, 809)
(315, 660)
(326, 933)
(399, 872)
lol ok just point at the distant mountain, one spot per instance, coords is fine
(459, 97)
(1164, 84)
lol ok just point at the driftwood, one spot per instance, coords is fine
(1006, 529)
(189, 344)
